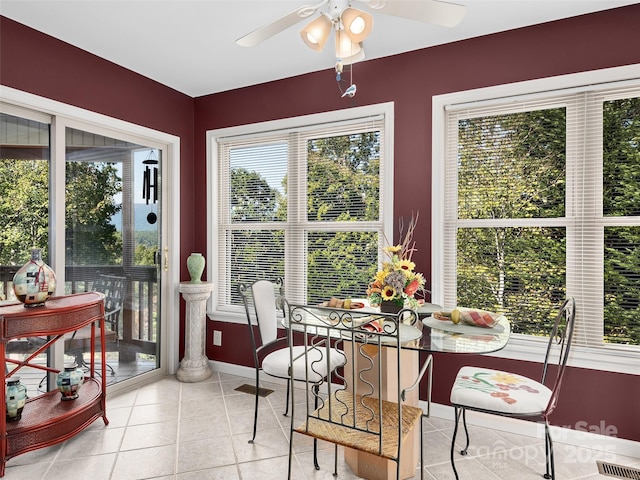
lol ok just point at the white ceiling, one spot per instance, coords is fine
(189, 45)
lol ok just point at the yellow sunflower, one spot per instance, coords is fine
(388, 292)
(380, 276)
(406, 265)
(393, 248)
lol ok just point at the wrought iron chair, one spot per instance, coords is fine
(365, 409)
(270, 352)
(114, 289)
(511, 395)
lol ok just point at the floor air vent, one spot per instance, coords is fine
(618, 471)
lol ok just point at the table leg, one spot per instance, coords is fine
(370, 466)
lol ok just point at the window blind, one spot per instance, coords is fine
(539, 204)
(304, 204)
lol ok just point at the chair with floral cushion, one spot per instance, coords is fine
(512, 395)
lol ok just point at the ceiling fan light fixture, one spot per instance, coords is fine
(345, 48)
(316, 33)
(357, 24)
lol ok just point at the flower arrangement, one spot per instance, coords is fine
(398, 282)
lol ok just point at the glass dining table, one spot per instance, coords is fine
(445, 336)
(421, 332)
(426, 333)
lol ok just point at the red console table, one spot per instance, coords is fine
(46, 420)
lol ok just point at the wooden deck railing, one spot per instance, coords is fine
(141, 307)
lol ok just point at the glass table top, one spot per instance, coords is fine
(431, 335)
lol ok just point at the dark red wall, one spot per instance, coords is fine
(590, 42)
(36, 63)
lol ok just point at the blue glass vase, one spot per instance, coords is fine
(16, 398)
(69, 381)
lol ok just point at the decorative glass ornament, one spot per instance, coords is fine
(69, 381)
(195, 265)
(15, 399)
(35, 281)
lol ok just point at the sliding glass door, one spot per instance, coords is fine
(108, 236)
(112, 244)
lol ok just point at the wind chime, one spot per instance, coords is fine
(150, 183)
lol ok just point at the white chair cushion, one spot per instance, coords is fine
(499, 391)
(277, 363)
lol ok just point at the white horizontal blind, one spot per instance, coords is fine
(505, 193)
(621, 212)
(303, 204)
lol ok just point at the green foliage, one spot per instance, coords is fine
(340, 264)
(343, 178)
(342, 186)
(622, 285)
(252, 199)
(513, 166)
(24, 209)
(524, 279)
(90, 237)
(621, 197)
(621, 166)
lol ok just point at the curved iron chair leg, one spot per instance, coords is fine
(255, 412)
(548, 447)
(316, 388)
(465, 450)
(286, 409)
(453, 441)
(335, 460)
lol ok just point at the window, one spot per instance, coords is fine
(306, 199)
(539, 202)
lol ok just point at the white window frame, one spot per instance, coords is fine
(237, 315)
(520, 347)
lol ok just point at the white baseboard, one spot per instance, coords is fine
(593, 441)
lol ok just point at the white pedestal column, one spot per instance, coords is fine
(195, 367)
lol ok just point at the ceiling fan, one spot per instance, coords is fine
(351, 25)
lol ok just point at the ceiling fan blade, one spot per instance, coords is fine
(275, 27)
(429, 11)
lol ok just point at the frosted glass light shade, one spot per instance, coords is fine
(354, 58)
(316, 33)
(357, 24)
(345, 48)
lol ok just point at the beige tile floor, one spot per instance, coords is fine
(199, 431)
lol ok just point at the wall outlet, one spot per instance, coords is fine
(217, 338)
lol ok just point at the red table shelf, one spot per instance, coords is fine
(46, 419)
